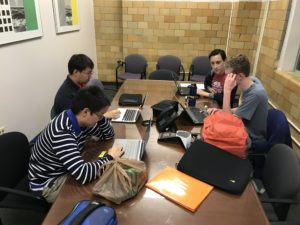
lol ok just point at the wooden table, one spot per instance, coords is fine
(148, 207)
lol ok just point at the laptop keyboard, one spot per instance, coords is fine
(197, 113)
(131, 149)
(129, 115)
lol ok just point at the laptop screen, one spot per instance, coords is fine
(143, 102)
(147, 132)
(176, 83)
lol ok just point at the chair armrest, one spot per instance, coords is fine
(285, 223)
(259, 188)
(182, 71)
(26, 195)
(19, 192)
(190, 71)
(120, 63)
(253, 155)
(278, 200)
(144, 74)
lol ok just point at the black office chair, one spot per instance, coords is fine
(96, 82)
(280, 182)
(14, 184)
(135, 68)
(199, 68)
(162, 74)
(278, 132)
(52, 112)
(172, 63)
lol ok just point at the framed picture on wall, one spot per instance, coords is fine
(66, 15)
(19, 20)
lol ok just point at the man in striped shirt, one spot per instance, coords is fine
(57, 151)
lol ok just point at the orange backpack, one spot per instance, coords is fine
(227, 132)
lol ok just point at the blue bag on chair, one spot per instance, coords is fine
(89, 212)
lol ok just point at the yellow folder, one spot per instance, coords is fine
(180, 188)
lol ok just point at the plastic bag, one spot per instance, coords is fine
(122, 180)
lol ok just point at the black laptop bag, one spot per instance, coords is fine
(214, 166)
(130, 99)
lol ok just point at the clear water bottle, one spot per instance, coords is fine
(205, 110)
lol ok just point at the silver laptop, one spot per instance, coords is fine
(129, 115)
(134, 148)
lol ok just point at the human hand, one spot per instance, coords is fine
(112, 114)
(202, 93)
(116, 151)
(212, 110)
(230, 82)
(211, 90)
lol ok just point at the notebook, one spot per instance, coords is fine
(193, 114)
(180, 188)
(214, 166)
(129, 115)
(134, 148)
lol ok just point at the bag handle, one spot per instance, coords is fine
(125, 175)
(77, 220)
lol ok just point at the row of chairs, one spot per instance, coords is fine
(135, 66)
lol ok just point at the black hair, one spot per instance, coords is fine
(218, 52)
(239, 64)
(79, 62)
(90, 97)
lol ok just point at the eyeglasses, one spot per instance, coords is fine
(90, 73)
(99, 116)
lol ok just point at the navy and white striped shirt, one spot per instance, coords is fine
(58, 149)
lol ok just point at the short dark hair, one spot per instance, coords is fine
(239, 64)
(79, 62)
(218, 52)
(90, 97)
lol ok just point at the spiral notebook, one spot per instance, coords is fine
(180, 188)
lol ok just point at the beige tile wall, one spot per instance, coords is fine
(173, 28)
(185, 29)
(283, 88)
(245, 28)
(109, 36)
(188, 29)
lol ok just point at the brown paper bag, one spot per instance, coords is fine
(122, 180)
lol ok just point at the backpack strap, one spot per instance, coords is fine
(77, 220)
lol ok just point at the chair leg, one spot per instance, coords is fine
(117, 84)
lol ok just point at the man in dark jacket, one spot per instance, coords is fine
(80, 69)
